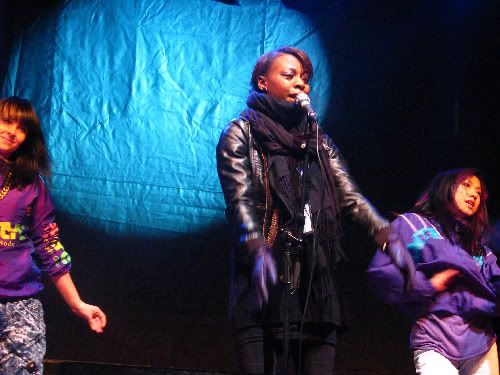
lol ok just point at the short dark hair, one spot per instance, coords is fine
(31, 157)
(264, 62)
(438, 202)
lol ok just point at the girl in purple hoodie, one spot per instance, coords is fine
(29, 243)
(455, 280)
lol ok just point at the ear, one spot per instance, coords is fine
(262, 83)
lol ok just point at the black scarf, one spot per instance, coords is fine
(278, 127)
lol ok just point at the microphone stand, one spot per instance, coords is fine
(294, 242)
(304, 179)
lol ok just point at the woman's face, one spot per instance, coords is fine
(468, 196)
(12, 136)
(285, 78)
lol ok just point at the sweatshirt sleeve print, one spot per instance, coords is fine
(50, 254)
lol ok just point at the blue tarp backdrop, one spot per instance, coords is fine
(133, 95)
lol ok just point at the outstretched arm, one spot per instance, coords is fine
(94, 316)
(388, 282)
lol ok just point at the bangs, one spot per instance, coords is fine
(19, 110)
(468, 173)
(464, 175)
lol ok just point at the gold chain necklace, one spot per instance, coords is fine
(6, 184)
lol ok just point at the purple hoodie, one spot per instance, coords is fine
(455, 323)
(29, 241)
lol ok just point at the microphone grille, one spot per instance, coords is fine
(302, 99)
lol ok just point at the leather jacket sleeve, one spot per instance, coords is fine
(352, 201)
(239, 167)
(236, 175)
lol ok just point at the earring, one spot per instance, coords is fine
(263, 89)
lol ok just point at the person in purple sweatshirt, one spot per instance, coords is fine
(29, 243)
(456, 282)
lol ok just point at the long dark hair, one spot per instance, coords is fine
(264, 63)
(31, 157)
(438, 202)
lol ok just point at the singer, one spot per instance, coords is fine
(285, 185)
(29, 243)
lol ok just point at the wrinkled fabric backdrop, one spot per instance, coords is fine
(133, 96)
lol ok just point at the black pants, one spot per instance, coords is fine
(261, 354)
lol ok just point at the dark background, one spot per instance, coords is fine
(416, 82)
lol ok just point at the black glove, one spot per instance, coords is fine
(264, 269)
(402, 258)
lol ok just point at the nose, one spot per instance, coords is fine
(473, 194)
(9, 131)
(300, 84)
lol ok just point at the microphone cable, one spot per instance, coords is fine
(314, 245)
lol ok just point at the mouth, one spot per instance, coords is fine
(470, 203)
(5, 139)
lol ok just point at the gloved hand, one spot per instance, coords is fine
(264, 269)
(402, 258)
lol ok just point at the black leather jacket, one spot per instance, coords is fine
(241, 171)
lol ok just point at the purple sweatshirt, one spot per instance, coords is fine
(454, 323)
(29, 241)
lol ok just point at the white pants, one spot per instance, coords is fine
(431, 363)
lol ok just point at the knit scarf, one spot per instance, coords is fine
(278, 127)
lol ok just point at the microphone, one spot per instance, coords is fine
(303, 101)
